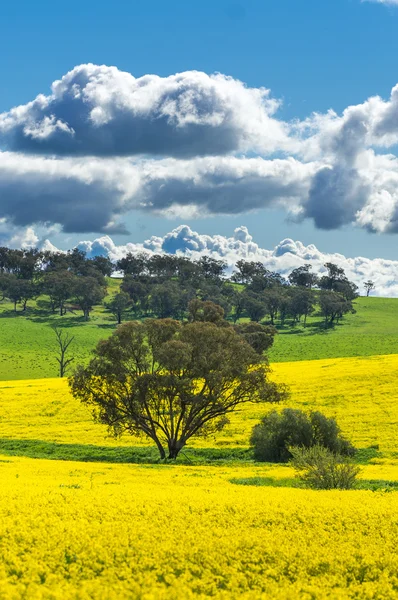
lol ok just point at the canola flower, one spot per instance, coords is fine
(70, 530)
(73, 530)
(359, 392)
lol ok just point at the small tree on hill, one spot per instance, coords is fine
(119, 305)
(205, 310)
(172, 382)
(369, 286)
(88, 293)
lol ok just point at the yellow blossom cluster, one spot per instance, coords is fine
(359, 392)
(98, 531)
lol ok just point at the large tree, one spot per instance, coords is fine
(171, 382)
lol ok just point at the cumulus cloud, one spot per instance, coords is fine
(105, 143)
(90, 195)
(99, 110)
(286, 256)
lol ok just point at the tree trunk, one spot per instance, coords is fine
(174, 448)
(119, 318)
(160, 448)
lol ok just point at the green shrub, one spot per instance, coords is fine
(272, 438)
(321, 469)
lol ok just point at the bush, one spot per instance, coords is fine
(321, 469)
(272, 438)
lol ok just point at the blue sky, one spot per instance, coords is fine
(312, 55)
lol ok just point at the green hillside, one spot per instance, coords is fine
(372, 330)
(27, 342)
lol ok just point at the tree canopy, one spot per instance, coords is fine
(171, 382)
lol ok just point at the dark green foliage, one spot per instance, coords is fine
(302, 277)
(87, 293)
(321, 469)
(205, 311)
(278, 431)
(119, 305)
(144, 379)
(260, 337)
(333, 306)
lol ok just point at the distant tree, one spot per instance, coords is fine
(272, 299)
(189, 272)
(4, 259)
(211, 267)
(55, 261)
(255, 307)
(302, 304)
(14, 291)
(103, 264)
(238, 304)
(260, 337)
(267, 281)
(165, 300)
(369, 286)
(205, 311)
(118, 305)
(133, 264)
(162, 266)
(64, 340)
(333, 306)
(5, 283)
(285, 306)
(247, 270)
(20, 291)
(29, 291)
(76, 261)
(302, 277)
(139, 293)
(172, 382)
(348, 289)
(87, 293)
(59, 286)
(335, 275)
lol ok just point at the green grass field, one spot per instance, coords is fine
(27, 342)
(372, 330)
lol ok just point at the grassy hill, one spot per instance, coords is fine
(27, 342)
(372, 330)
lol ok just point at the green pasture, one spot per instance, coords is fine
(27, 342)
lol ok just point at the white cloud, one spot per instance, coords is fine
(69, 158)
(90, 195)
(286, 256)
(99, 110)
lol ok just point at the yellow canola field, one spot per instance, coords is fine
(84, 531)
(73, 530)
(360, 392)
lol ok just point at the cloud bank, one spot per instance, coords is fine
(104, 143)
(101, 111)
(286, 256)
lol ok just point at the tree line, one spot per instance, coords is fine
(165, 286)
